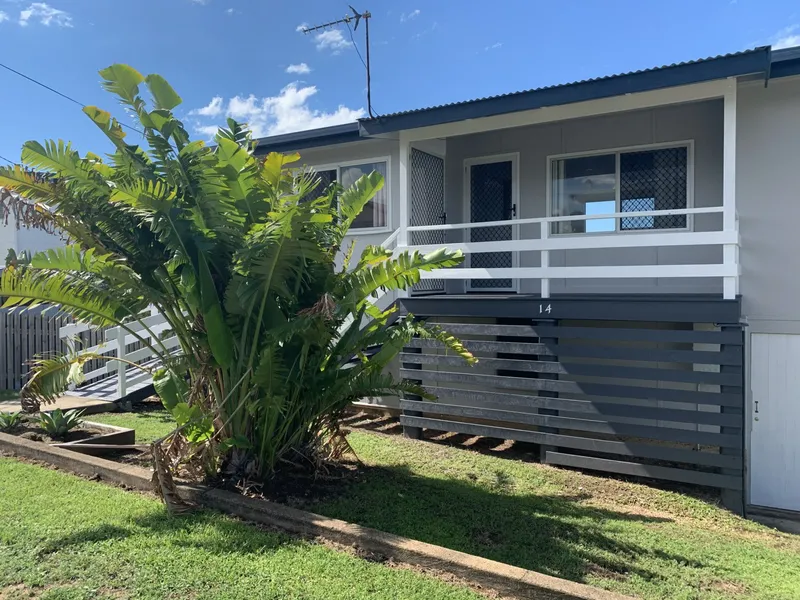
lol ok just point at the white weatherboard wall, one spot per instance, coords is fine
(700, 122)
(768, 203)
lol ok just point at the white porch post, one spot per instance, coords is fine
(730, 252)
(545, 260)
(122, 383)
(405, 196)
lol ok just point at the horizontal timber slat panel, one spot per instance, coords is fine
(728, 356)
(639, 450)
(591, 370)
(573, 387)
(609, 411)
(598, 333)
(639, 470)
(667, 434)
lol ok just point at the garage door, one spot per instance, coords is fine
(775, 416)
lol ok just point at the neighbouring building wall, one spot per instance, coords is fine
(32, 240)
(768, 203)
(700, 122)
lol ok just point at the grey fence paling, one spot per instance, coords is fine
(628, 399)
(26, 334)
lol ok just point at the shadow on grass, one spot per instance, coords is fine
(204, 530)
(556, 535)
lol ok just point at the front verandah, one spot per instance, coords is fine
(528, 237)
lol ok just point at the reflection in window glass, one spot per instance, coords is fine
(583, 186)
(374, 213)
(600, 208)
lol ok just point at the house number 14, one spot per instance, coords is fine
(545, 309)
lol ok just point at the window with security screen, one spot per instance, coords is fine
(618, 182)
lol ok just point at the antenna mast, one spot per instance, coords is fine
(347, 19)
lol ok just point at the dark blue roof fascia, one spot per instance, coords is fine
(312, 138)
(785, 62)
(731, 65)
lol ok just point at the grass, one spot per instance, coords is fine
(626, 537)
(65, 538)
(150, 424)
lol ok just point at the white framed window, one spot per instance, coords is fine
(375, 216)
(636, 179)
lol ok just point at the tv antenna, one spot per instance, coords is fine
(347, 19)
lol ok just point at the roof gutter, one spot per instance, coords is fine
(752, 62)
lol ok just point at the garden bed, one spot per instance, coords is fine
(98, 439)
(491, 499)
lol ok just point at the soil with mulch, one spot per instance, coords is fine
(31, 430)
(296, 485)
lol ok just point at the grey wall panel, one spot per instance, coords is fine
(768, 198)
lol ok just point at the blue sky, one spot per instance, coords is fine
(232, 56)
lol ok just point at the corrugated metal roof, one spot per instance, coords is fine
(569, 84)
(735, 64)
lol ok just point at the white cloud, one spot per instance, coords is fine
(208, 131)
(331, 39)
(786, 37)
(287, 112)
(299, 69)
(203, 2)
(3, 16)
(45, 14)
(494, 46)
(212, 109)
(302, 26)
(412, 15)
(230, 11)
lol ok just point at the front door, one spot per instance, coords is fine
(775, 418)
(491, 192)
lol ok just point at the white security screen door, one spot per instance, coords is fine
(427, 208)
(491, 190)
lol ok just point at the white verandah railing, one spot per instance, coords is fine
(120, 342)
(727, 269)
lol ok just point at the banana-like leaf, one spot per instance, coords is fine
(171, 388)
(122, 80)
(50, 377)
(399, 273)
(166, 98)
(75, 296)
(355, 198)
(219, 335)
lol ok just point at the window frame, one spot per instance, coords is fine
(387, 185)
(688, 144)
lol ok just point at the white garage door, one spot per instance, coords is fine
(775, 437)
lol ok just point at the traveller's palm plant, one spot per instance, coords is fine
(241, 262)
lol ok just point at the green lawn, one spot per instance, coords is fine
(150, 425)
(65, 538)
(622, 536)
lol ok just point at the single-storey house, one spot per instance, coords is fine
(628, 281)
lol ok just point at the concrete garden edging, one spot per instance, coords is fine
(503, 578)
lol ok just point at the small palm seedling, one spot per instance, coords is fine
(58, 423)
(9, 421)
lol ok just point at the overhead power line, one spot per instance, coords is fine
(11, 162)
(55, 91)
